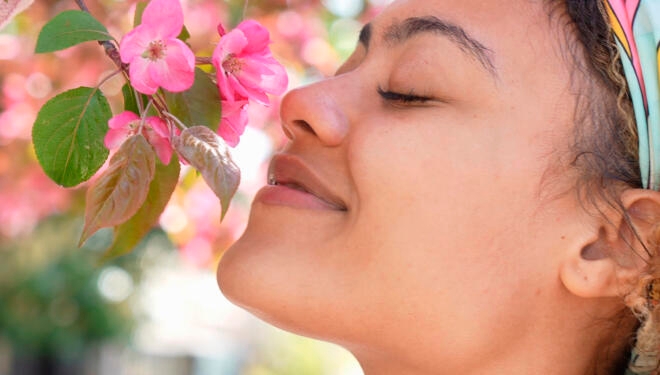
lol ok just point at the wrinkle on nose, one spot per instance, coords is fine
(314, 111)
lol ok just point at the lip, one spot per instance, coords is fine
(292, 183)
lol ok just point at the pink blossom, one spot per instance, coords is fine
(127, 124)
(234, 120)
(244, 65)
(156, 57)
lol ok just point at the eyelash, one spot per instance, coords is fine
(397, 97)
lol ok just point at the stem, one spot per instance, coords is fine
(159, 102)
(143, 116)
(203, 61)
(106, 79)
(110, 48)
(138, 98)
(176, 120)
(245, 8)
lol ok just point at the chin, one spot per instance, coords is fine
(274, 269)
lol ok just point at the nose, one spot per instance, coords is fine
(318, 110)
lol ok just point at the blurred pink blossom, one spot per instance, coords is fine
(244, 65)
(26, 196)
(156, 57)
(127, 124)
(234, 120)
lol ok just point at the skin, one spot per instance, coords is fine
(461, 248)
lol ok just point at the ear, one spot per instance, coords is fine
(611, 256)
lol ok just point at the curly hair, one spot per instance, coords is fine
(605, 153)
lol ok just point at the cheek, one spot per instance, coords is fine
(438, 178)
(441, 219)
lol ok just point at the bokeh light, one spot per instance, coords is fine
(158, 309)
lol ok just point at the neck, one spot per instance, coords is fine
(574, 349)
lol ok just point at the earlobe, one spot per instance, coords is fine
(610, 262)
(592, 272)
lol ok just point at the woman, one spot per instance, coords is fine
(462, 197)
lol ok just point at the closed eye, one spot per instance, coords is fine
(397, 97)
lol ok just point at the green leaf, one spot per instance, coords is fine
(200, 105)
(121, 189)
(69, 28)
(68, 135)
(129, 234)
(139, 9)
(209, 154)
(130, 100)
(184, 35)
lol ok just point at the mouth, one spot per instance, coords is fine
(291, 183)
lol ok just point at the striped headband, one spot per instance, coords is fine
(636, 24)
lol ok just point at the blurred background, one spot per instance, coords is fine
(157, 310)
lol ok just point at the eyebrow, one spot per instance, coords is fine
(401, 32)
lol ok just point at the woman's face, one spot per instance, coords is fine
(434, 222)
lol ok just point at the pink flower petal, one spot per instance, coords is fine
(160, 144)
(257, 35)
(237, 88)
(277, 82)
(234, 120)
(123, 120)
(134, 43)
(176, 72)
(226, 91)
(255, 73)
(115, 137)
(232, 43)
(138, 71)
(221, 30)
(159, 126)
(164, 17)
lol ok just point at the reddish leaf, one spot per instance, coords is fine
(208, 153)
(129, 234)
(10, 8)
(121, 190)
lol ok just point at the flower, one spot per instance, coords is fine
(156, 57)
(127, 124)
(245, 67)
(233, 122)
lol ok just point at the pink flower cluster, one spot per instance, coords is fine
(245, 71)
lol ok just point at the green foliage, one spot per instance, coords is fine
(120, 190)
(130, 100)
(129, 234)
(69, 28)
(68, 135)
(50, 303)
(200, 105)
(139, 9)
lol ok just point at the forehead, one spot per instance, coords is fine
(493, 15)
(520, 33)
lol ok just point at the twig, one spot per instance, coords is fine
(110, 49)
(245, 8)
(106, 79)
(203, 61)
(176, 120)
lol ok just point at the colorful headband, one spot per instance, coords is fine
(636, 24)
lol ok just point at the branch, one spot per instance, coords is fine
(110, 49)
